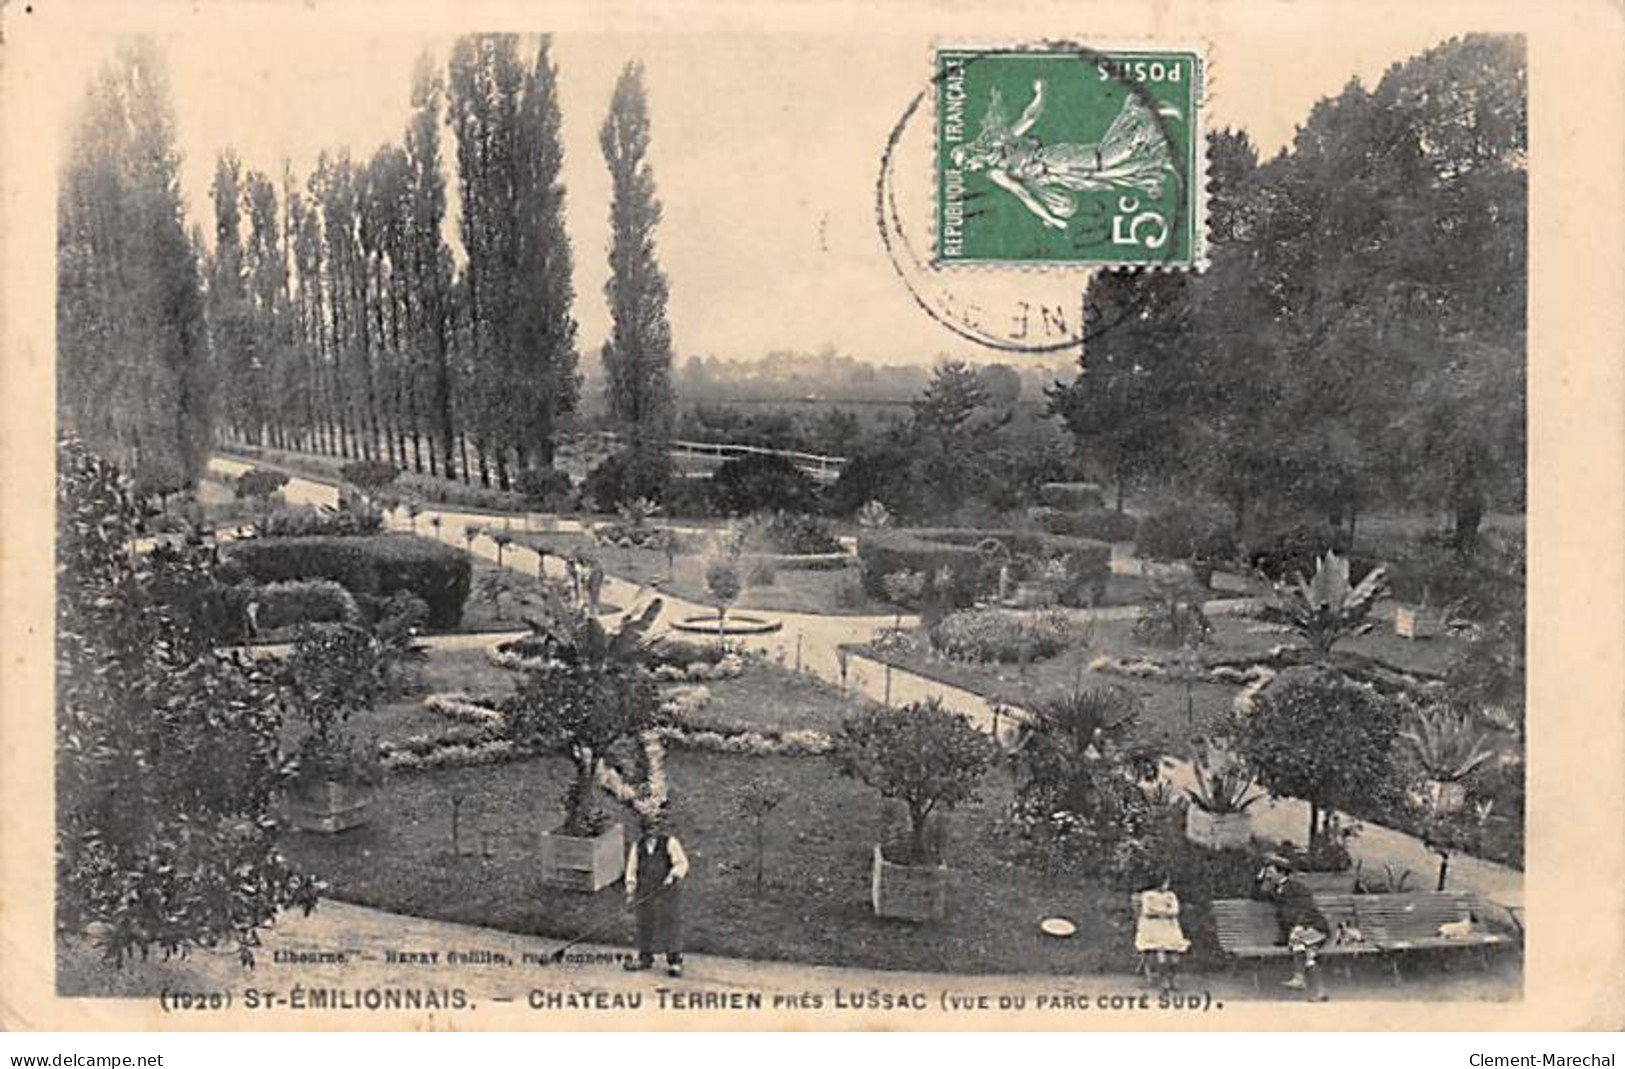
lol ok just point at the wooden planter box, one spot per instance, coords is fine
(329, 806)
(915, 893)
(1446, 796)
(580, 864)
(1217, 831)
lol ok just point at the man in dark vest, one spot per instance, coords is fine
(1302, 927)
(655, 869)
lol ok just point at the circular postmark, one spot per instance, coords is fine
(1022, 306)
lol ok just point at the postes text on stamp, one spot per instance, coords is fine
(1062, 155)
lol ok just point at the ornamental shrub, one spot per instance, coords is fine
(627, 476)
(304, 601)
(369, 475)
(545, 489)
(260, 483)
(378, 565)
(763, 482)
(1187, 533)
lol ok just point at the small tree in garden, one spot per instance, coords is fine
(921, 755)
(903, 588)
(167, 757)
(413, 511)
(471, 532)
(591, 693)
(503, 540)
(434, 524)
(1328, 608)
(333, 672)
(1315, 734)
(722, 580)
(755, 801)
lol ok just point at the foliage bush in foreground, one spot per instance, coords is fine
(167, 755)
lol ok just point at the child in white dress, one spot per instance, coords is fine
(1157, 934)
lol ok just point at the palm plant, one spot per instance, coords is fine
(873, 516)
(1224, 783)
(1327, 608)
(1448, 743)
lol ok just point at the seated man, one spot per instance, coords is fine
(1302, 927)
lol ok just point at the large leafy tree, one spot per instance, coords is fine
(167, 751)
(637, 356)
(132, 352)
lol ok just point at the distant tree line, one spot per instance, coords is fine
(330, 315)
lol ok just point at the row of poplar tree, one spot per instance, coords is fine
(331, 315)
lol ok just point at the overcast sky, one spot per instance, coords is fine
(765, 152)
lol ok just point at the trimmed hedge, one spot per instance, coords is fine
(975, 575)
(304, 601)
(1099, 524)
(1072, 497)
(375, 565)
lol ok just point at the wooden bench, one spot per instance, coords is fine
(1246, 930)
(1388, 924)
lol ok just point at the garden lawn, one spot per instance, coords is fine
(832, 592)
(813, 907)
(1168, 717)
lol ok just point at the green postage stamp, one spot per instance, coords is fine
(1062, 155)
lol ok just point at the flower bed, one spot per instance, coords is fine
(1086, 563)
(1004, 636)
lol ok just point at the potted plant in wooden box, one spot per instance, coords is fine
(589, 692)
(1224, 789)
(929, 759)
(1450, 746)
(333, 671)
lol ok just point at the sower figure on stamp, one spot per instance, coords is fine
(655, 870)
(1303, 928)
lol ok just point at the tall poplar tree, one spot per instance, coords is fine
(506, 117)
(637, 356)
(132, 355)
